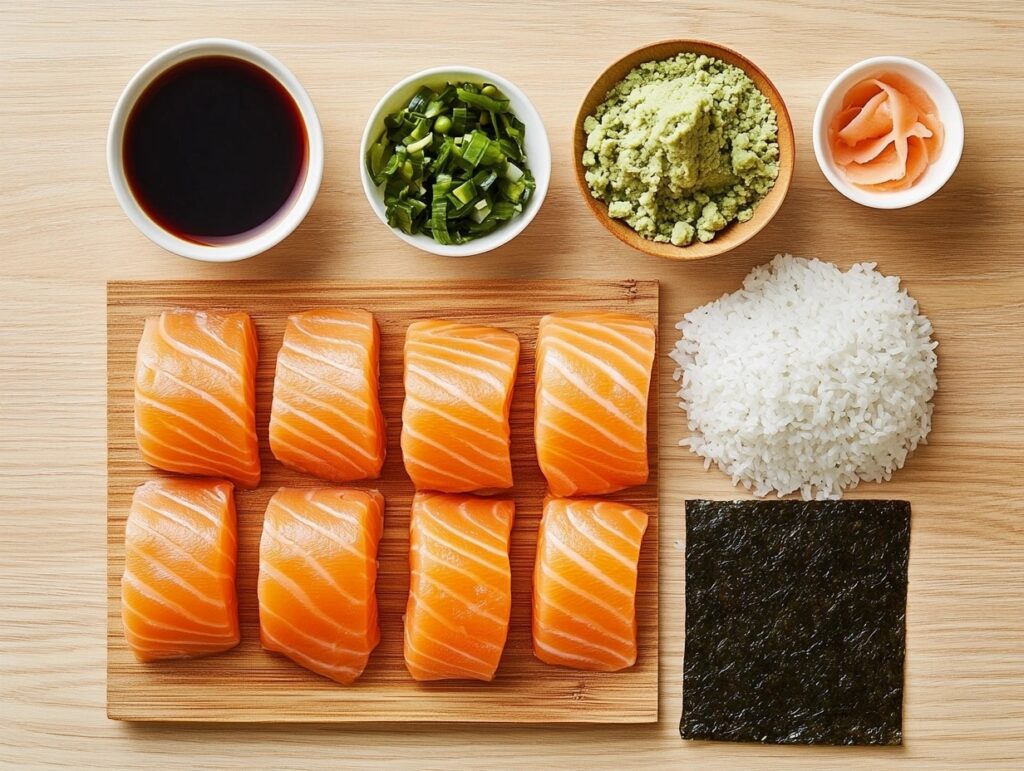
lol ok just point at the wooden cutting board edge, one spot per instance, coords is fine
(123, 294)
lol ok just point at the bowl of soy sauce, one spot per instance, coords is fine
(215, 151)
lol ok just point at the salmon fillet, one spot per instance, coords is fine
(195, 395)
(178, 589)
(590, 421)
(318, 572)
(458, 391)
(584, 584)
(326, 418)
(460, 587)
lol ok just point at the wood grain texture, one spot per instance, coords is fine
(63, 236)
(248, 684)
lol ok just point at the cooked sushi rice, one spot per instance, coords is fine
(807, 379)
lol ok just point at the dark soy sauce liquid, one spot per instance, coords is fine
(214, 148)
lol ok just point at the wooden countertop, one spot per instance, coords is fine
(62, 236)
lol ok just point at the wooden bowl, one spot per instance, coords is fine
(737, 232)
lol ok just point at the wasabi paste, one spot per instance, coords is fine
(682, 147)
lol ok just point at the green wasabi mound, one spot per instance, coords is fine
(682, 147)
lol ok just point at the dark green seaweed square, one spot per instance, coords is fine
(795, 621)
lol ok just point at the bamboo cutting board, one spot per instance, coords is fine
(248, 684)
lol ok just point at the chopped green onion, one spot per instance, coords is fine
(451, 163)
(421, 144)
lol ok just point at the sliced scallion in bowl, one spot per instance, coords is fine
(452, 163)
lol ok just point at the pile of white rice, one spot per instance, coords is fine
(807, 378)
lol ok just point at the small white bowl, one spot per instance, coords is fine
(937, 173)
(538, 155)
(284, 221)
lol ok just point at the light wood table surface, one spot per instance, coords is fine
(62, 236)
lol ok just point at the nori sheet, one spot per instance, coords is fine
(795, 621)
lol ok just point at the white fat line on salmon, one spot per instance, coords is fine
(448, 646)
(580, 385)
(495, 550)
(418, 403)
(334, 452)
(167, 573)
(461, 351)
(154, 595)
(299, 324)
(325, 466)
(610, 327)
(476, 374)
(638, 522)
(206, 396)
(614, 374)
(194, 353)
(597, 484)
(162, 491)
(563, 653)
(481, 336)
(584, 564)
(411, 460)
(211, 645)
(205, 328)
(577, 522)
(162, 407)
(311, 662)
(345, 393)
(136, 522)
(440, 586)
(286, 408)
(209, 539)
(290, 586)
(449, 667)
(281, 405)
(447, 544)
(459, 457)
(207, 466)
(461, 631)
(575, 616)
(454, 390)
(226, 633)
(289, 545)
(590, 446)
(575, 588)
(566, 330)
(631, 465)
(554, 401)
(426, 553)
(287, 345)
(558, 478)
(330, 535)
(267, 613)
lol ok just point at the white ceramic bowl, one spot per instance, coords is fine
(538, 155)
(283, 222)
(937, 173)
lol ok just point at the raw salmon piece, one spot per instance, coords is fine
(318, 571)
(584, 584)
(178, 589)
(590, 422)
(195, 395)
(460, 588)
(458, 391)
(326, 418)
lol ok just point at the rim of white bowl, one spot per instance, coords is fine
(938, 172)
(538, 154)
(281, 225)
